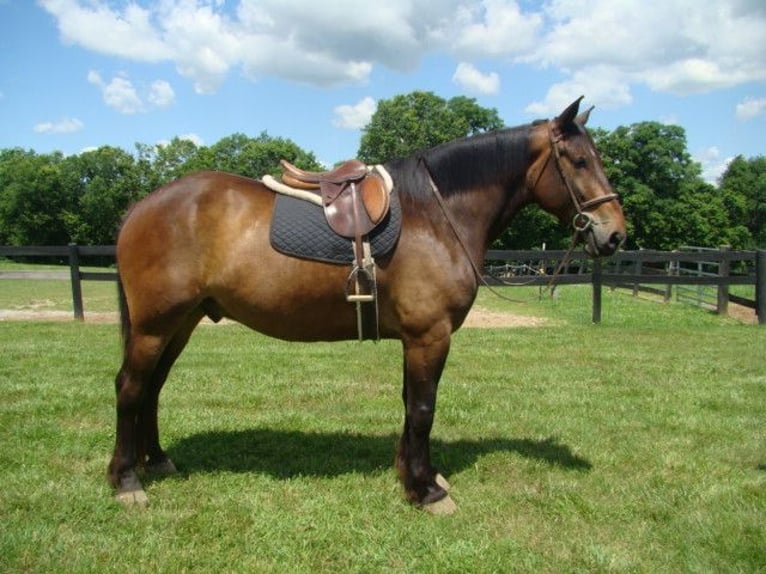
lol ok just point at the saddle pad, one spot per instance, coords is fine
(299, 229)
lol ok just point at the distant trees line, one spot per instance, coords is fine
(52, 199)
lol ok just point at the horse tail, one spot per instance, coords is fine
(124, 313)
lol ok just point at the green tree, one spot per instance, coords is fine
(168, 161)
(255, 157)
(666, 202)
(418, 120)
(32, 198)
(532, 228)
(743, 185)
(105, 182)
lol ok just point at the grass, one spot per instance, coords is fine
(53, 294)
(637, 445)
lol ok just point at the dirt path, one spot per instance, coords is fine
(477, 318)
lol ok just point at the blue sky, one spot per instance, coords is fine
(78, 74)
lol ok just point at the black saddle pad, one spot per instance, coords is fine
(299, 229)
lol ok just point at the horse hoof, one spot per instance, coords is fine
(164, 468)
(443, 507)
(442, 482)
(132, 498)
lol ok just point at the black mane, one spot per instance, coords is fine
(499, 156)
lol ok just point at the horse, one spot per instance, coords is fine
(199, 247)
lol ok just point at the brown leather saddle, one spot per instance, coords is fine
(355, 198)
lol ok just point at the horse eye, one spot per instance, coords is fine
(580, 163)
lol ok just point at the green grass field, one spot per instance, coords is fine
(637, 445)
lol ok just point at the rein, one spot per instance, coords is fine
(581, 222)
(451, 222)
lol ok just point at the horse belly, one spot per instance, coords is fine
(285, 297)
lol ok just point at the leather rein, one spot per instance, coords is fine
(581, 222)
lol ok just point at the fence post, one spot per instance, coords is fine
(74, 272)
(597, 284)
(672, 271)
(724, 265)
(760, 285)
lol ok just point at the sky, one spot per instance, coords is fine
(79, 74)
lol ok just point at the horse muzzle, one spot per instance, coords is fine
(601, 238)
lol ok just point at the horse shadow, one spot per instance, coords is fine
(285, 454)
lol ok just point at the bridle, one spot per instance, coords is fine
(583, 220)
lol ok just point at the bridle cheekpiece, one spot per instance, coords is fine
(583, 220)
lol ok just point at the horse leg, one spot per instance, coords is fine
(141, 355)
(423, 365)
(156, 460)
(148, 360)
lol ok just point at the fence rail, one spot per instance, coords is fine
(636, 270)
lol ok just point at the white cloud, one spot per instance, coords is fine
(121, 95)
(601, 86)
(94, 25)
(63, 126)
(192, 137)
(676, 46)
(467, 76)
(751, 108)
(356, 116)
(161, 94)
(713, 165)
(495, 28)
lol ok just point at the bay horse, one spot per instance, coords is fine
(199, 247)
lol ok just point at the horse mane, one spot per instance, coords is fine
(499, 156)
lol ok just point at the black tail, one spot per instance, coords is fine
(124, 313)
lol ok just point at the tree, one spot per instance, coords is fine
(52, 200)
(255, 157)
(408, 123)
(665, 200)
(105, 182)
(32, 198)
(168, 161)
(532, 228)
(743, 185)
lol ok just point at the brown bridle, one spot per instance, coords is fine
(582, 220)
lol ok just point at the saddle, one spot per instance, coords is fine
(354, 197)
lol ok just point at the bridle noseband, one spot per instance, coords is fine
(582, 221)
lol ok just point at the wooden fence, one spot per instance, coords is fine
(644, 270)
(651, 271)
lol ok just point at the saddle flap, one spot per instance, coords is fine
(375, 197)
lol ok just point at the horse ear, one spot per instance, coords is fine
(582, 119)
(567, 118)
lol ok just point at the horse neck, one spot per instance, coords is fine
(483, 182)
(481, 215)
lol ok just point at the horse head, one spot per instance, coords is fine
(566, 178)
